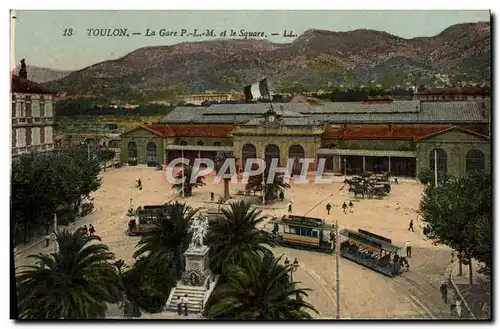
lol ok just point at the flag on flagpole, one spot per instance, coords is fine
(257, 90)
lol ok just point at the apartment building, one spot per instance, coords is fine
(32, 115)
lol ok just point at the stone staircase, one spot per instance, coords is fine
(195, 296)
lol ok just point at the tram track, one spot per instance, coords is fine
(415, 301)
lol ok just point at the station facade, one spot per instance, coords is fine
(400, 137)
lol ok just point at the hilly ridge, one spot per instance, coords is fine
(316, 59)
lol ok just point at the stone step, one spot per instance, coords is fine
(194, 294)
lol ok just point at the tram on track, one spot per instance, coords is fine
(147, 216)
(373, 251)
(304, 233)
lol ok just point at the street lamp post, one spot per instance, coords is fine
(294, 268)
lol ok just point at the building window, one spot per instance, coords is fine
(28, 106)
(42, 135)
(14, 141)
(184, 143)
(28, 137)
(200, 143)
(441, 161)
(216, 143)
(14, 107)
(42, 107)
(474, 161)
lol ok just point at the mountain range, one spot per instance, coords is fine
(316, 59)
(43, 74)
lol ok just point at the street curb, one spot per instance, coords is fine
(457, 291)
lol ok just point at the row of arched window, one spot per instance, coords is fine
(474, 160)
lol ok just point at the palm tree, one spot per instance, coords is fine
(170, 234)
(271, 189)
(234, 235)
(259, 290)
(185, 174)
(75, 283)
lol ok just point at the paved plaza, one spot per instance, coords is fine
(364, 293)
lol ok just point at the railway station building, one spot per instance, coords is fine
(400, 137)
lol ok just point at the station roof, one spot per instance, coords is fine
(336, 112)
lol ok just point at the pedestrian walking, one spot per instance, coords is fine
(408, 249)
(351, 206)
(47, 227)
(179, 305)
(212, 195)
(289, 207)
(458, 307)
(444, 292)
(91, 229)
(344, 207)
(282, 196)
(328, 208)
(396, 181)
(185, 304)
(47, 240)
(410, 228)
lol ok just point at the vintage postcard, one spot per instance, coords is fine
(251, 165)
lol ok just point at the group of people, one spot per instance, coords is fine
(182, 304)
(90, 230)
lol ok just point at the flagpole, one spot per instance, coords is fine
(12, 41)
(435, 168)
(182, 171)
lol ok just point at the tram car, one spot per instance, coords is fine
(147, 216)
(304, 233)
(373, 251)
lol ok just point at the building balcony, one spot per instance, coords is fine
(32, 122)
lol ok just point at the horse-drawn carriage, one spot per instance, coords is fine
(147, 217)
(372, 185)
(304, 233)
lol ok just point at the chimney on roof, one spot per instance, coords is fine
(483, 110)
(23, 74)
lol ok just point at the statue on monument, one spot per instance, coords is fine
(199, 227)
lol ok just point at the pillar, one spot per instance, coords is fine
(340, 164)
(389, 165)
(364, 163)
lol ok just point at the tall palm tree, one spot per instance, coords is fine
(75, 283)
(185, 174)
(235, 235)
(271, 190)
(170, 234)
(259, 290)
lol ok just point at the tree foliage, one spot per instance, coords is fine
(259, 289)
(185, 174)
(458, 214)
(271, 190)
(41, 184)
(235, 236)
(75, 283)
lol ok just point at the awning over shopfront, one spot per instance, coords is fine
(200, 148)
(368, 153)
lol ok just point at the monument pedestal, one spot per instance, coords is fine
(197, 281)
(197, 270)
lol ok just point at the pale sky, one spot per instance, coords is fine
(39, 34)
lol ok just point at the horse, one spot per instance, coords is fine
(358, 190)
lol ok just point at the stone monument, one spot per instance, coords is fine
(197, 270)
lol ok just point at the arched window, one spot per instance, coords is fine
(151, 151)
(474, 161)
(200, 143)
(248, 152)
(216, 143)
(271, 152)
(132, 154)
(184, 143)
(441, 161)
(296, 152)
